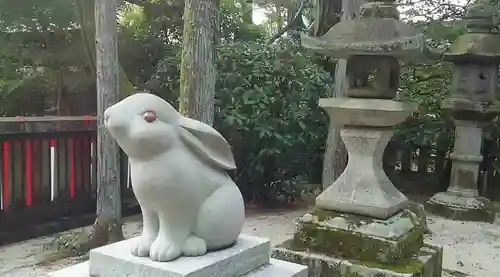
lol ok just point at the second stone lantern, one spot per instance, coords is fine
(362, 224)
(472, 104)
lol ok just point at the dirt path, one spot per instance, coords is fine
(22, 259)
(470, 249)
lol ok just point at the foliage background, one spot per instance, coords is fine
(267, 92)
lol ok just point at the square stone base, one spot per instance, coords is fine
(248, 254)
(249, 257)
(427, 263)
(276, 268)
(456, 207)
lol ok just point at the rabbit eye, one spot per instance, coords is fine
(149, 116)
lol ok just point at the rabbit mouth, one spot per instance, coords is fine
(116, 129)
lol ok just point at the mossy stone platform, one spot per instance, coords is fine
(458, 207)
(426, 263)
(346, 245)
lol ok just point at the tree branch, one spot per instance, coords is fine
(291, 23)
(419, 80)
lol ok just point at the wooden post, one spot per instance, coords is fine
(108, 225)
(335, 158)
(198, 75)
(423, 159)
(85, 11)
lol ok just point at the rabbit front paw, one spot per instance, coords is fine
(142, 246)
(194, 246)
(164, 250)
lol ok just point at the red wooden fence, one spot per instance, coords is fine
(48, 175)
(44, 167)
(48, 171)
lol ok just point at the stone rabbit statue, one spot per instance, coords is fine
(178, 167)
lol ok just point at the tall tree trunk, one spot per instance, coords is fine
(198, 75)
(326, 13)
(85, 11)
(63, 109)
(108, 225)
(335, 158)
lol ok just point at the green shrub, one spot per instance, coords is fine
(268, 112)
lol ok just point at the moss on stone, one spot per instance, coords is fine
(316, 237)
(411, 266)
(480, 45)
(424, 263)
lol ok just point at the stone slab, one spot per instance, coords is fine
(78, 270)
(115, 260)
(367, 112)
(456, 207)
(279, 268)
(427, 263)
(457, 105)
(354, 236)
(276, 268)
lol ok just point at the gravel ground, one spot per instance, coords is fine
(470, 249)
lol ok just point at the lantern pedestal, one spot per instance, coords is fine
(364, 188)
(462, 201)
(346, 245)
(362, 225)
(457, 207)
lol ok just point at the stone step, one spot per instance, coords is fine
(249, 257)
(427, 263)
(115, 260)
(276, 268)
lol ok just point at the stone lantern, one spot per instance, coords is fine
(362, 225)
(472, 104)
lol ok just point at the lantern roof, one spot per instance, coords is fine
(378, 31)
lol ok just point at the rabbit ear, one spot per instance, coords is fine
(207, 142)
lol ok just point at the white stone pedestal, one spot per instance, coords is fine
(364, 188)
(250, 257)
(462, 201)
(466, 158)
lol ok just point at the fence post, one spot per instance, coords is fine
(406, 159)
(423, 159)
